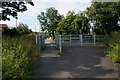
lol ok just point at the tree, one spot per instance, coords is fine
(64, 27)
(81, 23)
(74, 24)
(12, 8)
(49, 21)
(23, 29)
(105, 17)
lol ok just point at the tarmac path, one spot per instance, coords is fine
(76, 62)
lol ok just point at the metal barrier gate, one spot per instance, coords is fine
(40, 42)
(83, 40)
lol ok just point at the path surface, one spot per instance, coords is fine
(76, 62)
(50, 51)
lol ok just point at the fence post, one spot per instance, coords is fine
(36, 39)
(60, 43)
(43, 46)
(81, 40)
(70, 40)
(94, 39)
(39, 39)
(57, 41)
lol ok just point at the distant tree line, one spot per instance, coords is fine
(105, 18)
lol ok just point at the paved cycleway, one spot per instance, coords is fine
(50, 51)
(76, 62)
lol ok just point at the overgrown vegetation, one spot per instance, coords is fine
(113, 45)
(18, 53)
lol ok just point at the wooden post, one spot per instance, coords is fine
(81, 40)
(60, 43)
(94, 39)
(70, 40)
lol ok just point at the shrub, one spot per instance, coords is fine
(113, 49)
(18, 55)
(21, 30)
(60, 53)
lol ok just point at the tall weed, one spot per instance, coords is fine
(113, 49)
(18, 55)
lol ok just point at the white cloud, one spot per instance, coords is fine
(64, 7)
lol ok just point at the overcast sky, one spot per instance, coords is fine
(29, 17)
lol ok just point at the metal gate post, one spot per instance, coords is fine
(60, 43)
(36, 38)
(70, 40)
(43, 42)
(94, 39)
(39, 39)
(55, 40)
(81, 40)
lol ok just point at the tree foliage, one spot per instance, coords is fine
(49, 21)
(12, 8)
(74, 24)
(22, 29)
(105, 17)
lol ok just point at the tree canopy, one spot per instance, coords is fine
(74, 24)
(49, 21)
(105, 16)
(11, 8)
(22, 29)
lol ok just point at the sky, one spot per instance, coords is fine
(29, 17)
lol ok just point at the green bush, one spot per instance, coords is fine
(60, 53)
(21, 30)
(113, 49)
(18, 54)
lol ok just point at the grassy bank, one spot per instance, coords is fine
(113, 47)
(18, 55)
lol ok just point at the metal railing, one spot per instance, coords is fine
(83, 39)
(40, 42)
